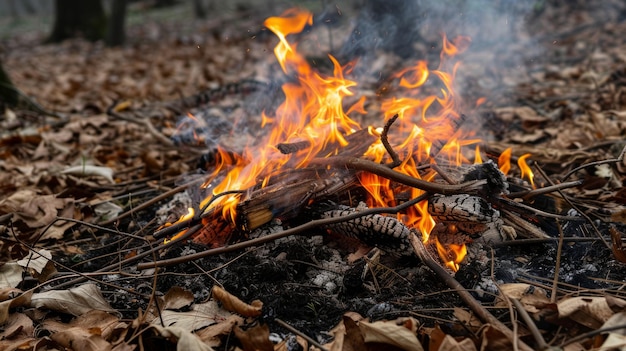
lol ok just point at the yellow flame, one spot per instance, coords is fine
(525, 169)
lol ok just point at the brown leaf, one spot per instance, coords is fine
(451, 344)
(18, 324)
(618, 248)
(389, 333)
(21, 300)
(256, 338)
(75, 301)
(177, 298)
(80, 338)
(211, 334)
(233, 304)
(531, 297)
(353, 340)
(436, 338)
(493, 339)
(591, 312)
(103, 321)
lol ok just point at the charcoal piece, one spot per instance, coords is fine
(462, 208)
(496, 180)
(388, 233)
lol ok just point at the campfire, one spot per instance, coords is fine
(317, 162)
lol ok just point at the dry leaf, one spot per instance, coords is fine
(79, 338)
(36, 260)
(200, 316)
(468, 319)
(88, 171)
(494, 340)
(390, 333)
(532, 298)
(618, 248)
(436, 337)
(177, 298)
(21, 300)
(450, 344)
(211, 334)
(18, 324)
(233, 304)
(75, 301)
(185, 340)
(39, 211)
(591, 312)
(256, 338)
(10, 275)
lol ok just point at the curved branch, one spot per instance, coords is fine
(383, 171)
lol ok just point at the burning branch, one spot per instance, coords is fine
(384, 171)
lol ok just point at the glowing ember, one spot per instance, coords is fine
(189, 215)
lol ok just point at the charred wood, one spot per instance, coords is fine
(377, 230)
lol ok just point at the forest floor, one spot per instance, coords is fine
(85, 186)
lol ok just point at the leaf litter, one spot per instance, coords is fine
(92, 167)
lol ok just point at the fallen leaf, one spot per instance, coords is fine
(233, 304)
(22, 299)
(211, 335)
(36, 260)
(532, 298)
(591, 311)
(18, 324)
(256, 338)
(177, 298)
(468, 319)
(618, 248)
(493, 339)
(200, 316)
(436, 337)
(75, 301)
(10, 275)
(89, 170)
(451, 344)
(389, 333)
(185, 340)
(39, 211)
(80, 338)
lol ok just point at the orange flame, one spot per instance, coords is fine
(313, 111)
(525, 169)
(189, 215)
(452, 255)
(504, 161)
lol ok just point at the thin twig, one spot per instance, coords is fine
(301, 334)
(557, 264)
(541, 343)
(384, 138)
(529, 194)
(620, 158)
(582, 213)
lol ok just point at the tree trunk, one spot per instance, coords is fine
(115, 33)
(78, 17)
(8, 93)
(198, 9)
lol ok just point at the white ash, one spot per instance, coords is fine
(175, 208)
